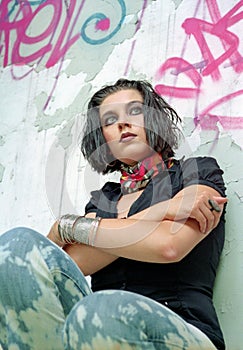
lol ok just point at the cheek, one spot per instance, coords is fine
(110, 134)
(137, 121)
(142, 135)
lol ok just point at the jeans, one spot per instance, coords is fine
(46, 303)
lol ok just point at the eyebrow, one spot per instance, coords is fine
(128, 104)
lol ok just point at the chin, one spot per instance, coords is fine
(135, 158)
(132, 153)
(129, 162)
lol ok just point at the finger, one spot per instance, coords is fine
(220, 200)
(202, 220)
(210, 217)
(214, 206)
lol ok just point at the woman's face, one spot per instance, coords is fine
(122, 120)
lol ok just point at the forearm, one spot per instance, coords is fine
(134, 239)
(162, 242)
(89, 259)
(191, 202)
(170, 209)
(148, 241)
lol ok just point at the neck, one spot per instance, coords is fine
(155, 158)
(152, 159)
(137, 177)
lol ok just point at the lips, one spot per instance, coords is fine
(127, 136)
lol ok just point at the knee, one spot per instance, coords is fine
(107, 310)
(108, 303)
(21, 239)
(97, 319)
(110, 318)
(19, 233)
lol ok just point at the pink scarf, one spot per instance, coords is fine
(137, 177)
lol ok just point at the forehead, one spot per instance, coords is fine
(122, 96)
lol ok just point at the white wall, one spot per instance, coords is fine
(53, 59)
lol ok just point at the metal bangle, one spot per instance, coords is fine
(93, 231)
(65, 227)
(79, 229)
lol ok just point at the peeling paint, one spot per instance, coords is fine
(177, 3)
(2, 169)
(65, 137)
(239, 195)
(45, 121)
(2, 140)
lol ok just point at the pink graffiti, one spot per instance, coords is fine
(182, 92)
(20, 24)
(103, 24)
(208, 120)
(53, 42)
(209, 66)
(220, 29)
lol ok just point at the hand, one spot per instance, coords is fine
(53, 235)
(196, 206)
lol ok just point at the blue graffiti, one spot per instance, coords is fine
(100, 16)
(31, 3)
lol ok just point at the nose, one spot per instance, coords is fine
(124, 121)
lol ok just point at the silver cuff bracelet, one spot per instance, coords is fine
(74, 228)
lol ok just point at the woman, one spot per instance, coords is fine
(150, 243)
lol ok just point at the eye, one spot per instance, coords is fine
(135, 109)
(109, 119)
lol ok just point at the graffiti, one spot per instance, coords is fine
(66, 22)
(63, 29)
(134, 41)
(102, 23)
(211, 66)
(27, 39)
(208, 120)
(179, 64)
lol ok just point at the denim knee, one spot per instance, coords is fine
(19, 236)
(40, 284)
(107, 320)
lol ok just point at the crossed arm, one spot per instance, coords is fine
(165, 232)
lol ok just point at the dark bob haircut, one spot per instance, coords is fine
(160, 122)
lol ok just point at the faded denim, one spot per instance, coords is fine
(46, 303)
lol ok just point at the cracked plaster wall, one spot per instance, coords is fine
(46, 81)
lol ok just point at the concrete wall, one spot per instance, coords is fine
(55, 54)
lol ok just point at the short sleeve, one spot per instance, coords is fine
(103, 201)
(92, 205)
(90, 208)
(204, 171)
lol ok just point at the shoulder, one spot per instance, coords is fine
(202, 170)
(200, 162)
(103, 197)
(107, 189)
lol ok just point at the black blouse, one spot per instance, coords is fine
(186, 287)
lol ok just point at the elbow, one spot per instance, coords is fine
(169, 253)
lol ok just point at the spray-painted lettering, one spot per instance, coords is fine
(62, 30)
(209, 66)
